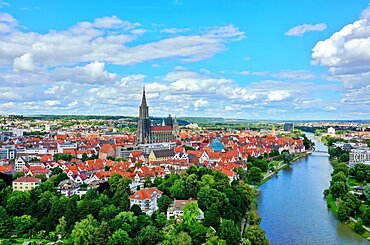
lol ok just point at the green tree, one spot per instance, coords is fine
(85, 231)
(103, 233)
(340, 176)
(56, 171)
(255, 235)
(24, 225)
(341, 167)
(163, 203)
(212, 217)
(178, 190)
(120, 237)
(71, 215)
(124, 220)
(343, 212)
(365, 216)
(62, 229)
(337, 189)
(191, 211)
(367, 193)
(287, 157)
(18, 203)
(107, 212)
(149, 235)
(255, 175)
(5, 222)
(136, 209)
(230, 232)
(191, 185)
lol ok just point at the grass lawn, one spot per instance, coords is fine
(352, 181)
(333, 205)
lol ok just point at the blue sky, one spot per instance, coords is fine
(235, 59)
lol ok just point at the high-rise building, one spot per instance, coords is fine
(289, 127)
(146, 133)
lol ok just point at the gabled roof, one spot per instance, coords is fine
(164, 153)
(27, 179)
(146, 193)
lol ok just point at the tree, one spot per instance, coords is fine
(62, 229)
(124, 220)
(337, 189)
(343, 212)
(255, 175)
(191, 211)
(341, 167)
(107, 212)
(212, 217)
(160, 220)
(253, 218)
(149, 235)
(344, 157)
(230, 232)
(287, 157)
(136, 209)
(256, 235)
(71, 214)
(56, 171)
(367, 193)
(24, 224)
(120, 237)
(178, 189)
(5, 222)
(18, 203)
(84, 157)
(163, 203)
(85, 231)
(366, 216)
(340, 176)
(182, 239)
(103, 233)
(191, 185)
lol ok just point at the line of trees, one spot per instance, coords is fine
(105, 216)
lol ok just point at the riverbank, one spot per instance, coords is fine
(282, 166)
(349, 212)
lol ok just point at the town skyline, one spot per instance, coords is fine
(215, 64)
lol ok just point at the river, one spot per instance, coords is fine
(293, 209)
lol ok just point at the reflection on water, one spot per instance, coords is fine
(293, 209)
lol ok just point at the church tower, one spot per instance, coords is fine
(143, 125)
(176, 129)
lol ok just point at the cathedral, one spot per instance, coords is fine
(146, 133)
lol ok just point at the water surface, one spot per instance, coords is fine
(293, 209)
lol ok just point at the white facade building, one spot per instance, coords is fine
(147, 199)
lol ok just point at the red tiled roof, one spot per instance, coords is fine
(161, 128)
(6, 168)
(146, 193)
(27, 179)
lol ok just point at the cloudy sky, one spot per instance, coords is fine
(283, 59)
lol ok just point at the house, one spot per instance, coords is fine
(68, 187)
(161, 155)
(25, 183)
(147, 199)
(19, 164)
(106, 151)
(176, 209)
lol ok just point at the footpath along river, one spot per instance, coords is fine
(293, 209)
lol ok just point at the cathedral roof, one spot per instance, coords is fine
(161, 128)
